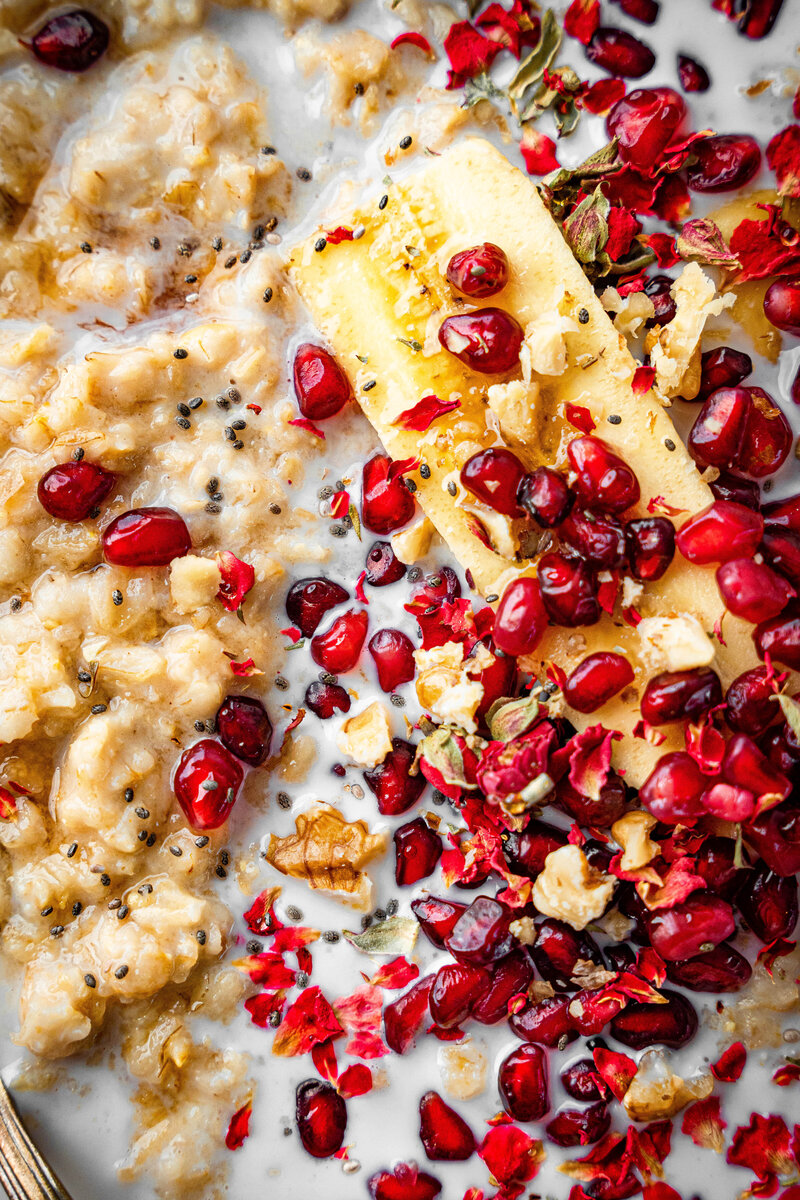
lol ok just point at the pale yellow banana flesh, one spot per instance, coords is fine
(368, 294)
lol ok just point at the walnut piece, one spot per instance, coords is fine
(367, 737)
(674, 349)
(444, 686)
(570, 889)
(656, 1093)
(193, 582)
(413, 543)
(632, 833)
(674, 643)
(329, 853)
(462, 1067)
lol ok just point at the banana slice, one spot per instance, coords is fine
(380, 300)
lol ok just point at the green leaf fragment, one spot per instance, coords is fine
(396, 935)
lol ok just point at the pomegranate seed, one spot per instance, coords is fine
(521, 618)
(568, 591)
(715, 863)
(146, 537)
(494, 476)
(746, 767)
(781, 548)
(320, 385)
(393, 655)
(338, 648)
(497, 680)
(405, 1182)
(391, 782)
(206, 783)
(758, 17)
(71, 490)
(659, 289)
(444, 585)
(620, 957)
(692, 74)
(321, 1117)
(244, 728)
(783, 751)
(720, 532)
(749, 702)
(547, 1022)
(632, 906)
(486, 340)
(785, 513)
(641, 1025)
(728, 801)
(481, 934)
(673, 788)
(752, 590)
(386, 502)
(546, 496)
(581, 1081)
(579, 1126)
(383, 565)
(309, 599)
(644, 123)
(596, 538)
(523, 1083)
(71, 41)
(767, 437)
(649, 546)
(326, 699)
(718, 432)
(602, 478)
(557, 951)
(417, 851)
(445, 1136)
(722, 969)
(732, 487)
(510, 977)
(404, 1016)
(478, 272)
(456, 987)
(794, 391)
(775, 834)
(599, 813)
(596, 679)
(620, 53)
(722, 368)
(723, 162)
(680, 695)
(780, 637)
(768, 903)
(437, 917)
(525, 852)
(645, 11)
(690, 928)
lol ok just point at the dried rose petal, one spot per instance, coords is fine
(422, 414)
(730, 1063)
(239, 1127)
(237, 579)
(310, 1019)
(703, 1123)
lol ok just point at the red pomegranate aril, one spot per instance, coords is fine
(393, 655)
(417, 851)
(206, 783)
(569, 592)
(728, 801)
(723, 162)
(326, 699)
(510, 977)
(781, 549)
(775, 835)
(383, 565)
(750, 705)
(644, 123)
(579, 1126)
(602, 480)
(391, 781)
(783, 751)
(244, 728)
(596, 679)
(673, 788)
(478, 272)
(600, 813)
(386, 502)
(525, 852)
(494, 476)
(498, 679)
(767, 437)
(546, 496)
(403, 1017)
(71, 490)
(752, 590)
(146, 537)
(728, 486)
(745, 766)
(481, 934)
(338, 648)
(659, 289)
(782, 305)
(768, 903)
(596, 538)
(558, 949)
(649, 547)
(780, 637)
(758, 17)
(722, 368)
(321, 1117)
(320, 385)
(690, 928)
(631, 905)
(714, 861)
(785, 513)
(620, 53)
(71, 41)
(547, 1022)
(582, 1081)
(692, 74)
(437, 917)
(620, 957)
(521, 619)
(456, 987)
(445, 1136)
(680, 695)
(645, 11)
(405, 1182)
(722, 969)
(523, 1083)
(716, 437)
(309, 599)
(720, 532)
(641, 1025)
(486, 340)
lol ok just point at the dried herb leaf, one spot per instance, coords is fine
(397, 935)
(532, 68)
(481, 88)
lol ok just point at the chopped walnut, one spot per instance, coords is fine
(674, 643)
(366, 738)
(462, 1067)
(514, 404)
(329, 853)
(193, 582)
(632, 833)
(544, 351)
(524, 930)
(656, 1093)
(413, 543)
(675, 349)
(631, 311)
(444, 686)
(570, 889)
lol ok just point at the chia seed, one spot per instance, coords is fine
(71, 852)
(268, 150)
(46, 911)
(320, 244)
(77, 908)
(201, 937)
(220, 872)
(151, 840)
(275, 1020)
(379, 914)
(190, 279)
(369, 385)
(201, 842)
(275, 509)
(294, 913)
(284, 800)
(391, 908)
(668, 442)
(78, 453)
(245, 256)
(583, 316)
(331, 935)
(412, 487)
(254, 947)
(233, 394)
(142, 835)
(16, 604)
(216, 244)
(176, 851)
(230, 261)
(358, 88)
(366, 922)
(145, 889)
(155, 243)
(267, 295)
(338, 531)
(615, 419)
(425, 471)
(56, 931)
(414, 575)
(86, 248)
(114, 904)
(183, 409)
(258, 233)
(212, 485)
(213, 508)
(195, 403)
(180, 353)
(303, 173)
(438, 797)
(229, 434)
(200, 726)
(105, 880)
(222, 402)
(90, 981)
(143, 813)
(384, 200)
(224, 857)
(238, 444)
(116, 597)
(397, 701)
(452, 489)
(98, 708)
(405, 142)
(301, 979)
(122, 971)
(280, 683)
(122, 912)
(491, 599)
(239, 424)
